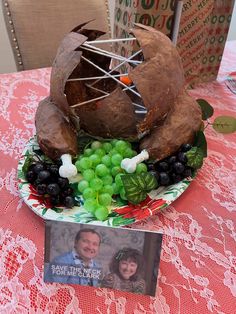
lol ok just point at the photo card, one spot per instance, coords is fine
(100, 256)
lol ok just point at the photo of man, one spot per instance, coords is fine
(87, 271)
(102, 256)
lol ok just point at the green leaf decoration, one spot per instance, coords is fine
(195, 157)
(48, 160)
(38, 152)
(44, 211)
(119, 201)
(207, 110)
(150, 180)
(83, 142)
(137, 185)
(28, 161)
(224, 124)
(57, 209)
(200, 142)
(119, 221)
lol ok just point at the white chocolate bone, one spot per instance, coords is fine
(67, 169)
(130, 164)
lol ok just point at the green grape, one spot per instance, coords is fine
(101, 213)
(88, 152)
(107, 179)
(116, 189)
(141, 168)
(115, 170)
(104, 199)
(128, 153)
(88, 174)
(91, 205)
(128, 144)
(107, 147)
(96, 184)
(85, 163)
(78, 166)
(116, 159)
(95, 159)
(118, 180)
(89, 193)
(122, 194)
(113, 142)
(100, 152)
(96, 144)
(113, 152)
(121, 146)
(107, 189)
(82, 185)
(106, 160)
(101, 170)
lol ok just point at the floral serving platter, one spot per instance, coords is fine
(120, 215)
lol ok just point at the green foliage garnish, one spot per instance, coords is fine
(200, 142)
(207, 109)
(195, 157)
(138, 185)
(37, 155)
(224, 124)
(221, 124)
(28, 161)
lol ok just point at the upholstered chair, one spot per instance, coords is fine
(35, 27)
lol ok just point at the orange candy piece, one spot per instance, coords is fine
(126, 80)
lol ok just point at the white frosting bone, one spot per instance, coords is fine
(130, 164)
(67, 169)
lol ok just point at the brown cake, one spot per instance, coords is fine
(172, 116)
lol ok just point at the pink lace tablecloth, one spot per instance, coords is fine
(198, 262)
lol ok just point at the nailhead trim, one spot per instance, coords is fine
(17, 52)
(108, 20)
(13, 38)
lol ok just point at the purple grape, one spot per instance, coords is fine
(182, 157)
(53, 189)
(178, 167)
(54, 170)
(185, 147)
(38, 167)
(31, 167)
(171, 160)
(41, 188)
(58, 162)
(162, 166)
(150, 166)
(164, 178)
(63, 182)
(30, 176)
(36, 182)
(43, 175)
(69, 202)
(155, 174)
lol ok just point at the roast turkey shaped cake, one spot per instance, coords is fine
(170, 119)
(140, 125)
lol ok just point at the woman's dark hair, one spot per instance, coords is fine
(123, 255)
(78, 235)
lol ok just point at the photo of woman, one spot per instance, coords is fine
(126, 270)
(102, 257)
